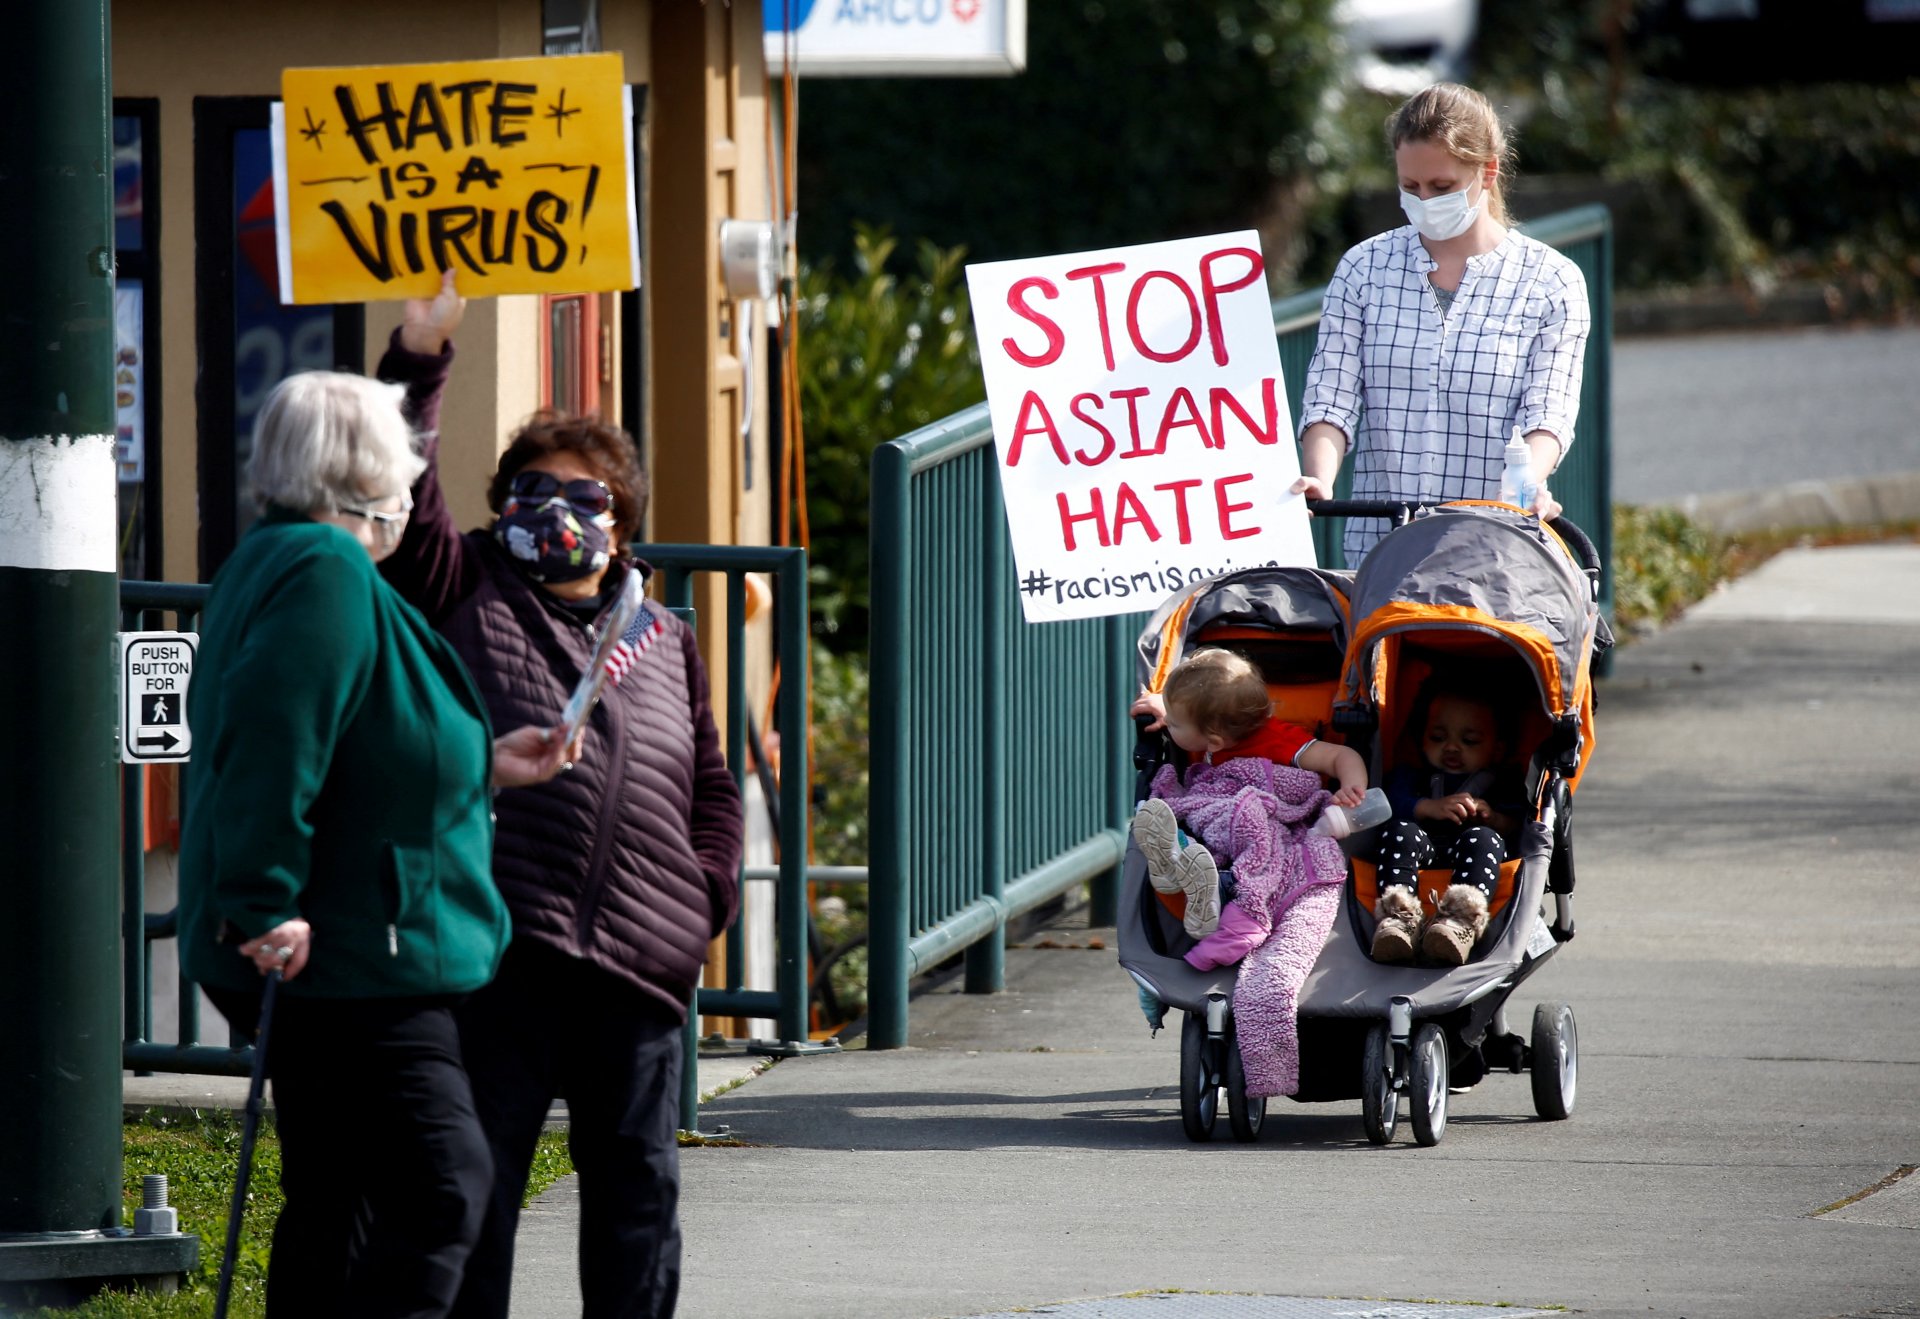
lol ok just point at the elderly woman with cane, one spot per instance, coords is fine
(339, 831)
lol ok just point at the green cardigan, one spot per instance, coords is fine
(341, 760)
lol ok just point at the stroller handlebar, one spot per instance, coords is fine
(1146, 747)
(1400, 513)
(1397, 512)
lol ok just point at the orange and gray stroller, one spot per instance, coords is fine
(1478, 589)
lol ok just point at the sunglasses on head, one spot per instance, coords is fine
(585, 496)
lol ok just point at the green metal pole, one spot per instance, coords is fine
(133, 903)
(59, 954)
(690, 1065)
(887, 923)
(737, 747)
(1103, 894)
(60, 1171)
(792, 972)
(1600, 362)
(987, 959)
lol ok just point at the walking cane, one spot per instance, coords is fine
(249, 1131)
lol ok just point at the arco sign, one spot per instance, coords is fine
(897, 38)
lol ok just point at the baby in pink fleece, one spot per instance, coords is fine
(1254, 788)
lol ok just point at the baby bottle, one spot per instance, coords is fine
(1517, 484)
(1339, 821)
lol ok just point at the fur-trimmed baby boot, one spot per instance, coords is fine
(1457, 926)
(1199, 879)
(1157, 834)
(1398, 913)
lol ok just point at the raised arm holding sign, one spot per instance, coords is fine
(1141, 421)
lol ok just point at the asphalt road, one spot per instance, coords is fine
(1745, 979)
(1709, 414)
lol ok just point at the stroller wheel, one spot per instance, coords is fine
(1244, 1115)
(1427, 1085)
(1556, 1060)
(1199, 1088)
(1379, 1102)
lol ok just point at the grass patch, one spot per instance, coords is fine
(200, 1154)
(551, 1162)
(1664, 561)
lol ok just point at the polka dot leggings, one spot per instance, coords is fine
(1475, 856)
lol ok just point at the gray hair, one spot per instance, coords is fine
(324, 439)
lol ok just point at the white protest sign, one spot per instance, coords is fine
(1140, 419)
(156, 669)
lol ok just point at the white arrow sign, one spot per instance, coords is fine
(156, 669)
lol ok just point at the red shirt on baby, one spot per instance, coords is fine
(1274, 740)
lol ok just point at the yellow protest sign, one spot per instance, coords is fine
(514, 173)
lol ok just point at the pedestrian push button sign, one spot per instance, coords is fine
(155, 671)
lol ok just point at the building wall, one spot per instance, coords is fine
(706, 151)
(712, 142)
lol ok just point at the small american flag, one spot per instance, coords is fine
(640, 634)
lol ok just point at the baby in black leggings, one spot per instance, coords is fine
(1461, 809)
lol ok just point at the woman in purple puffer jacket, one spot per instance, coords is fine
(617, 874)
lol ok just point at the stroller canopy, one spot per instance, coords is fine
(1275, 599)
(1478, 568)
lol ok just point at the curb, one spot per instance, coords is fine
(184, 1095)
(1796, 305)
(1810, 505)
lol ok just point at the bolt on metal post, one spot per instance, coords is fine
(155, 1217)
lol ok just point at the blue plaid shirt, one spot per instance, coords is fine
(1429, 397)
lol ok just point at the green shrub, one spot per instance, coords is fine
(840, 757)
(840, 753)
(1135, 120)
(1782, 180)
(881, 355)
(1663, 561)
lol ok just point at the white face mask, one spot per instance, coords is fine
(1445, 216)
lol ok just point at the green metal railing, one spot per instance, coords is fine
(150, 605)
(1584, 482)
(999, 771)
(1000, 767)
(788, 1002)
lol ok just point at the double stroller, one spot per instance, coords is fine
(1475, 589)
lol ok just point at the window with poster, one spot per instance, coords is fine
(136, 326)
(248, 341)
(576, 352)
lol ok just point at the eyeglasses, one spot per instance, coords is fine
(386, 523)
(586, 496)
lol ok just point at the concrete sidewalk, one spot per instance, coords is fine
(1745, 975)
(168, 1092)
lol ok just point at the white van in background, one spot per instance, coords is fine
(1401, 46)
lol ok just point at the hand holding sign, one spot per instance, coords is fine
(1140, 419)
(430, 322)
